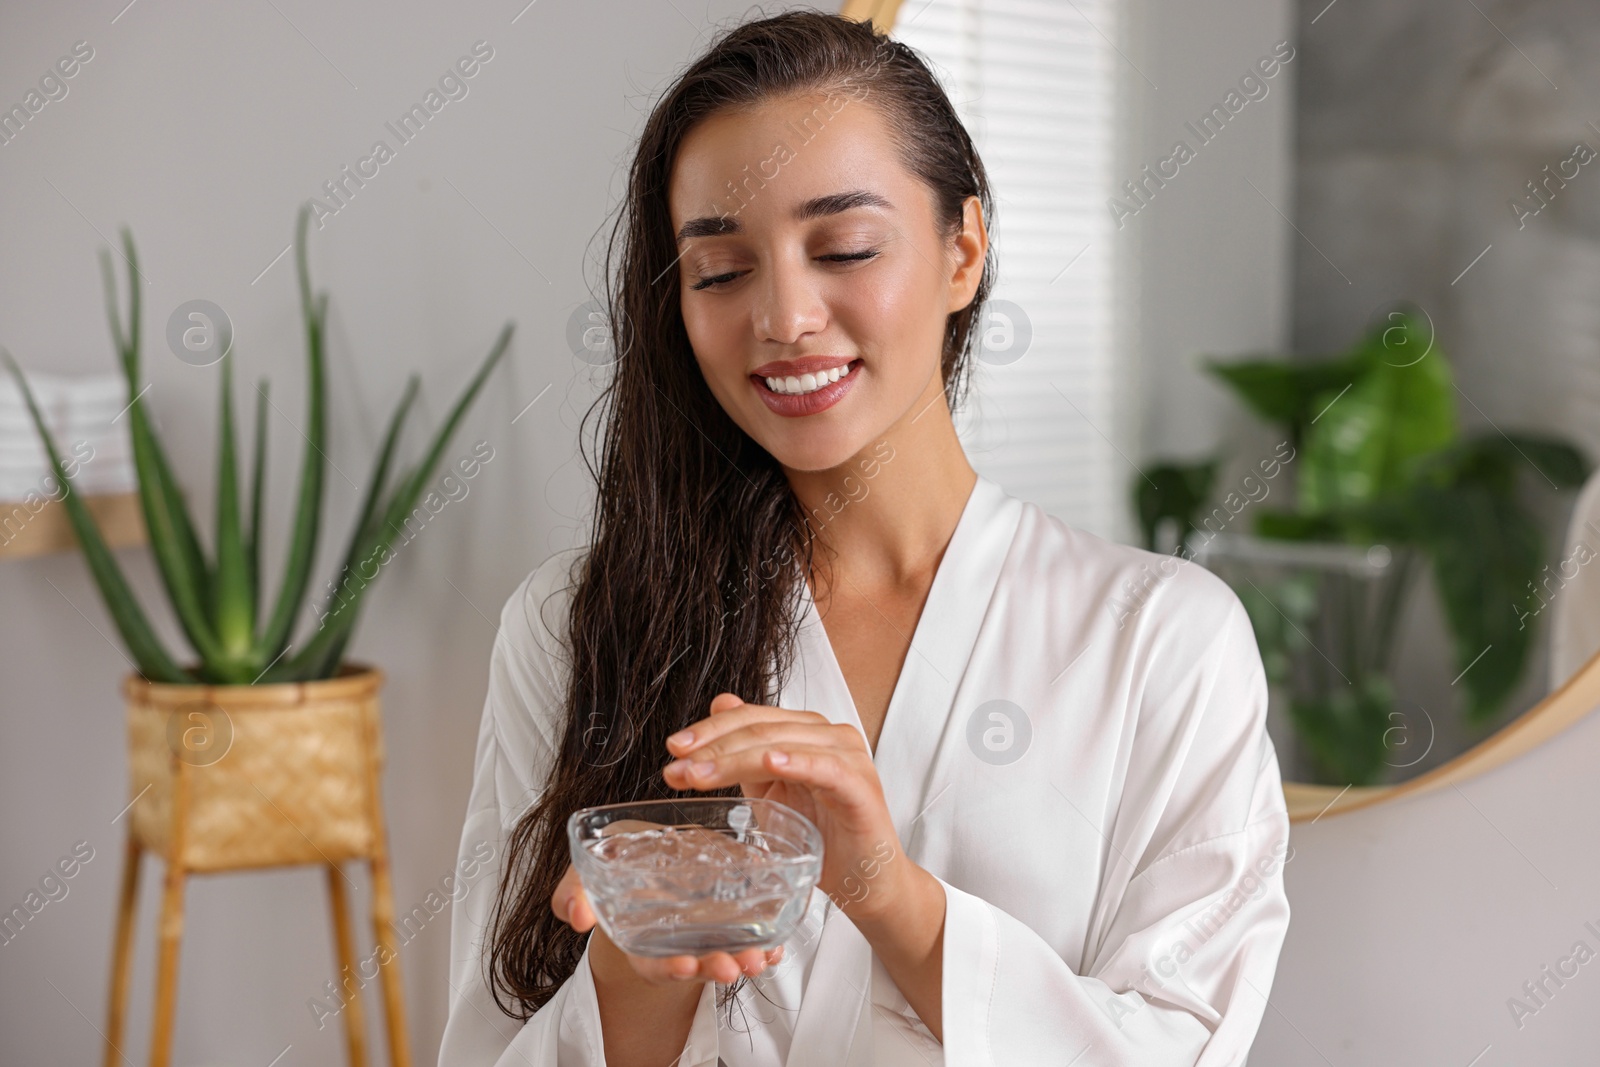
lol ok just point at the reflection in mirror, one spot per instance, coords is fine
(1397, 512)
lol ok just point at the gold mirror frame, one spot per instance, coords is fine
(881, 13)
(1575, 698)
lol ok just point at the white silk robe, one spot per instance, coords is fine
(1110, 837)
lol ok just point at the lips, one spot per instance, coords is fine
(822, 396)
(793, 368)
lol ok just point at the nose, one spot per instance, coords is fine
(788, 301)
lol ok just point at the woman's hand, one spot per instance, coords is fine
(821, 769)
(571, 906)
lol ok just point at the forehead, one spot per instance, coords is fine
(757, 164)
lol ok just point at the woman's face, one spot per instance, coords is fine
(814, 283)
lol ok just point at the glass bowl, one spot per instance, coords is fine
(692, 875)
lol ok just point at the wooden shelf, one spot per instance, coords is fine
(25, 533)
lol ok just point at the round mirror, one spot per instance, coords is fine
(1403, 495)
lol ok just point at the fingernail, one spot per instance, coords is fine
(677, 765)
(682, 737)
(703, 767)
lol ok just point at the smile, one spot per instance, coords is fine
(807, 383)
(795, 395)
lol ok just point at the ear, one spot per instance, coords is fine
(971, 247)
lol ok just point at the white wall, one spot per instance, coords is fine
(202, 127)
(1412, 924)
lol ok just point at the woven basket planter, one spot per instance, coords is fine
(238, 776)
(233, 777)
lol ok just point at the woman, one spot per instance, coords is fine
(1052, 818)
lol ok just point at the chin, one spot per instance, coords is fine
(817, 451)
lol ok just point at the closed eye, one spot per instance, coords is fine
(841, 257)
(836, 257)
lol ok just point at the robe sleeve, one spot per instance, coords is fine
(515, 751)
(1185, 944)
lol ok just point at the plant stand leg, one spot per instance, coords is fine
(167, 969)
(122, 951)
(394, 1001)
(394, 1004)
(355, 1026)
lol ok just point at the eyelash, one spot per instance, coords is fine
(722, 279)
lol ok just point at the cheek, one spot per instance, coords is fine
(897, 318)
(714, 338)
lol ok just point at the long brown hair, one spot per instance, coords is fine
(692, 580)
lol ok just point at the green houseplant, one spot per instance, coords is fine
(1382, 460)
(236, 635)
(260, 753)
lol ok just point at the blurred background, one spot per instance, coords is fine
(1383, 219)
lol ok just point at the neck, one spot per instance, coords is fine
(885, 516)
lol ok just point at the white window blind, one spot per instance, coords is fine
(1035, 82)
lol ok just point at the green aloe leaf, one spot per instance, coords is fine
(232, 609)
(252, 556)
(308, 510)
(406, 498)
(369, 516)
(324, 656)
(173, 502)
(173, 542)
(151, 659)
(320, 656)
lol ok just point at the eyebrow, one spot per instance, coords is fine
(815, 208)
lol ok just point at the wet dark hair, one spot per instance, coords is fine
(692, 580)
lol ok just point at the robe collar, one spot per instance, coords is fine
(921, 736)
(918, 718)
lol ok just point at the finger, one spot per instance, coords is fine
(752, 961)
(833, 773)
(583, 916)
(778, 731)
(724, 967)
(571, 904)
(725, 702)
(662, 969)
(745, 767)
(733, 718)
(768, 735)
(711, 967)
(576, 912)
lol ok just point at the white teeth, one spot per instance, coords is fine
(806, 383)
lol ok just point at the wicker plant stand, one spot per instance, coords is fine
(231, 778)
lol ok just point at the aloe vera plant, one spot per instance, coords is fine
(238, 637)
